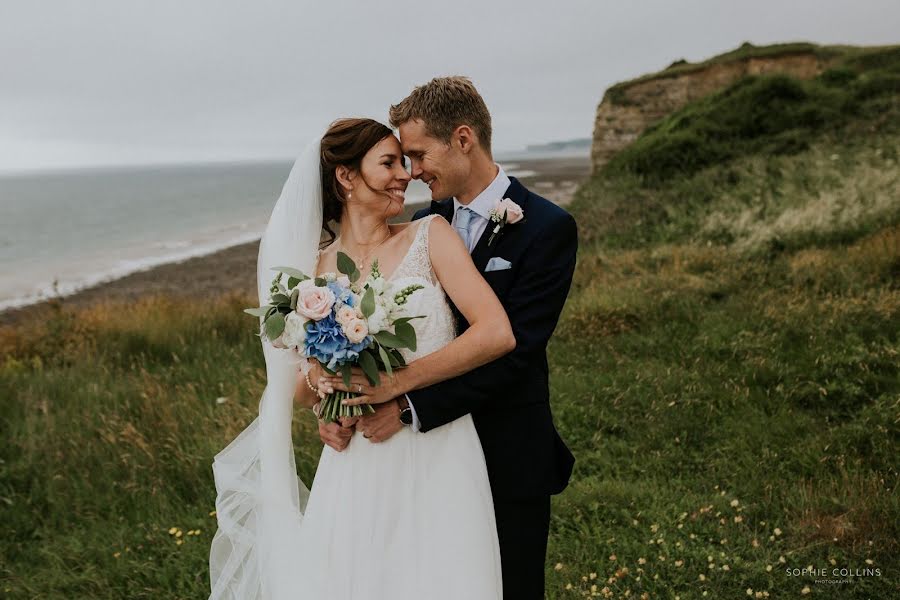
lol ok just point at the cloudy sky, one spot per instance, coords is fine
(126, 81)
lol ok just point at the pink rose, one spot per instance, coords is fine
(355, 330)
(314, 302)
(514, 212)
(345, 314)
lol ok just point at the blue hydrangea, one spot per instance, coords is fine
(326, 342)
(342, 294)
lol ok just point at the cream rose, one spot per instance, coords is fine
(294, 332)
(514, 212)
(345, 314)
(355, 330)
(314, 302)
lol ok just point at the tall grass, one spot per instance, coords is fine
(725, 370)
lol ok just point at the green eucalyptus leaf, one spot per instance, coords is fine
(367, 362)
(346, 373)
(386, 360)
(389, 340)
(345, 264)
(367, 306)
(292, 273)
(407, 334)
(407, 319)
(274, 326)
(320, 282)
(292, 282)
(262, 311)
(280, 299)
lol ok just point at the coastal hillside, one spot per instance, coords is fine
(727, 364)
(629, 107)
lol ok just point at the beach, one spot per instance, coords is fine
(233, 269)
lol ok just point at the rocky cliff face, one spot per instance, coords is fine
(629, 108)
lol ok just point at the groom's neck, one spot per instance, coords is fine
(483, 172)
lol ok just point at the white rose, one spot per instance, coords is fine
(294, 330)
(378, 319)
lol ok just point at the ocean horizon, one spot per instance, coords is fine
(64, 230)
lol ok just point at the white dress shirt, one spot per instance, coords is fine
(481, 205)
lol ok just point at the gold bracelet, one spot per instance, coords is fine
(310, 385)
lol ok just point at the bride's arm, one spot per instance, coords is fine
(488, 337)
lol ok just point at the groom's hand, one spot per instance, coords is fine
(335, 435)
(383, 424)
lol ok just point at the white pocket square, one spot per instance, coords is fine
(498, 264)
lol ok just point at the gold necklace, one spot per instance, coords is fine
(359, 264)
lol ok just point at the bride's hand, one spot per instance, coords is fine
(386, 390)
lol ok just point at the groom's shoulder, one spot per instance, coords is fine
(429, 209)
(543, 213)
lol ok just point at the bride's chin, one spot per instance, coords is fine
(394, 208)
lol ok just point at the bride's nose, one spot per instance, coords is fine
(403, 175)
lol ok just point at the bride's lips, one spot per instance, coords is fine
(398, 193)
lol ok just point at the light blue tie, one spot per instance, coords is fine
(464, 218)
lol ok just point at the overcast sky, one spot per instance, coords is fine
(121, 81)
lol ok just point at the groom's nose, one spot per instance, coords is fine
(415, 168)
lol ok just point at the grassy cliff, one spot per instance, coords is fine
(726, 372)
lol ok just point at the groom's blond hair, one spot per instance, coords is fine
(443, 104)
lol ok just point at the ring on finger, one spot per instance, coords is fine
(359, 388)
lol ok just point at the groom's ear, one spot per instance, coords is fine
(466, 138)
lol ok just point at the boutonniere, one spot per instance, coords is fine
(505, 212)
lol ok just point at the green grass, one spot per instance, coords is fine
(725, 371)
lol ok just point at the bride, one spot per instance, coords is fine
(411, 517)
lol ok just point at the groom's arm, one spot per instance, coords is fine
(533, 304)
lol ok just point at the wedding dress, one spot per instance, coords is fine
(410, 518)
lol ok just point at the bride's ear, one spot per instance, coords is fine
(345, 177)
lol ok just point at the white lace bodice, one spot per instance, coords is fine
(438, 328)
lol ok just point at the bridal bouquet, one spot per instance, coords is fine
(341, 324)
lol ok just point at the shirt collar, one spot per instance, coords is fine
(484, 202)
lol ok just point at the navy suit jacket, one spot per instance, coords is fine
(509, 398)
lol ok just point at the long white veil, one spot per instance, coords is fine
(260, 500)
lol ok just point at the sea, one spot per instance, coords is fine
(62, 231)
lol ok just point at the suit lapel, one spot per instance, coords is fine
(482, 252)
(443, 208)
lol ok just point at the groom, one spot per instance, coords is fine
(445, 130)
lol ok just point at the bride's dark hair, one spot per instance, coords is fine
(345, 143)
